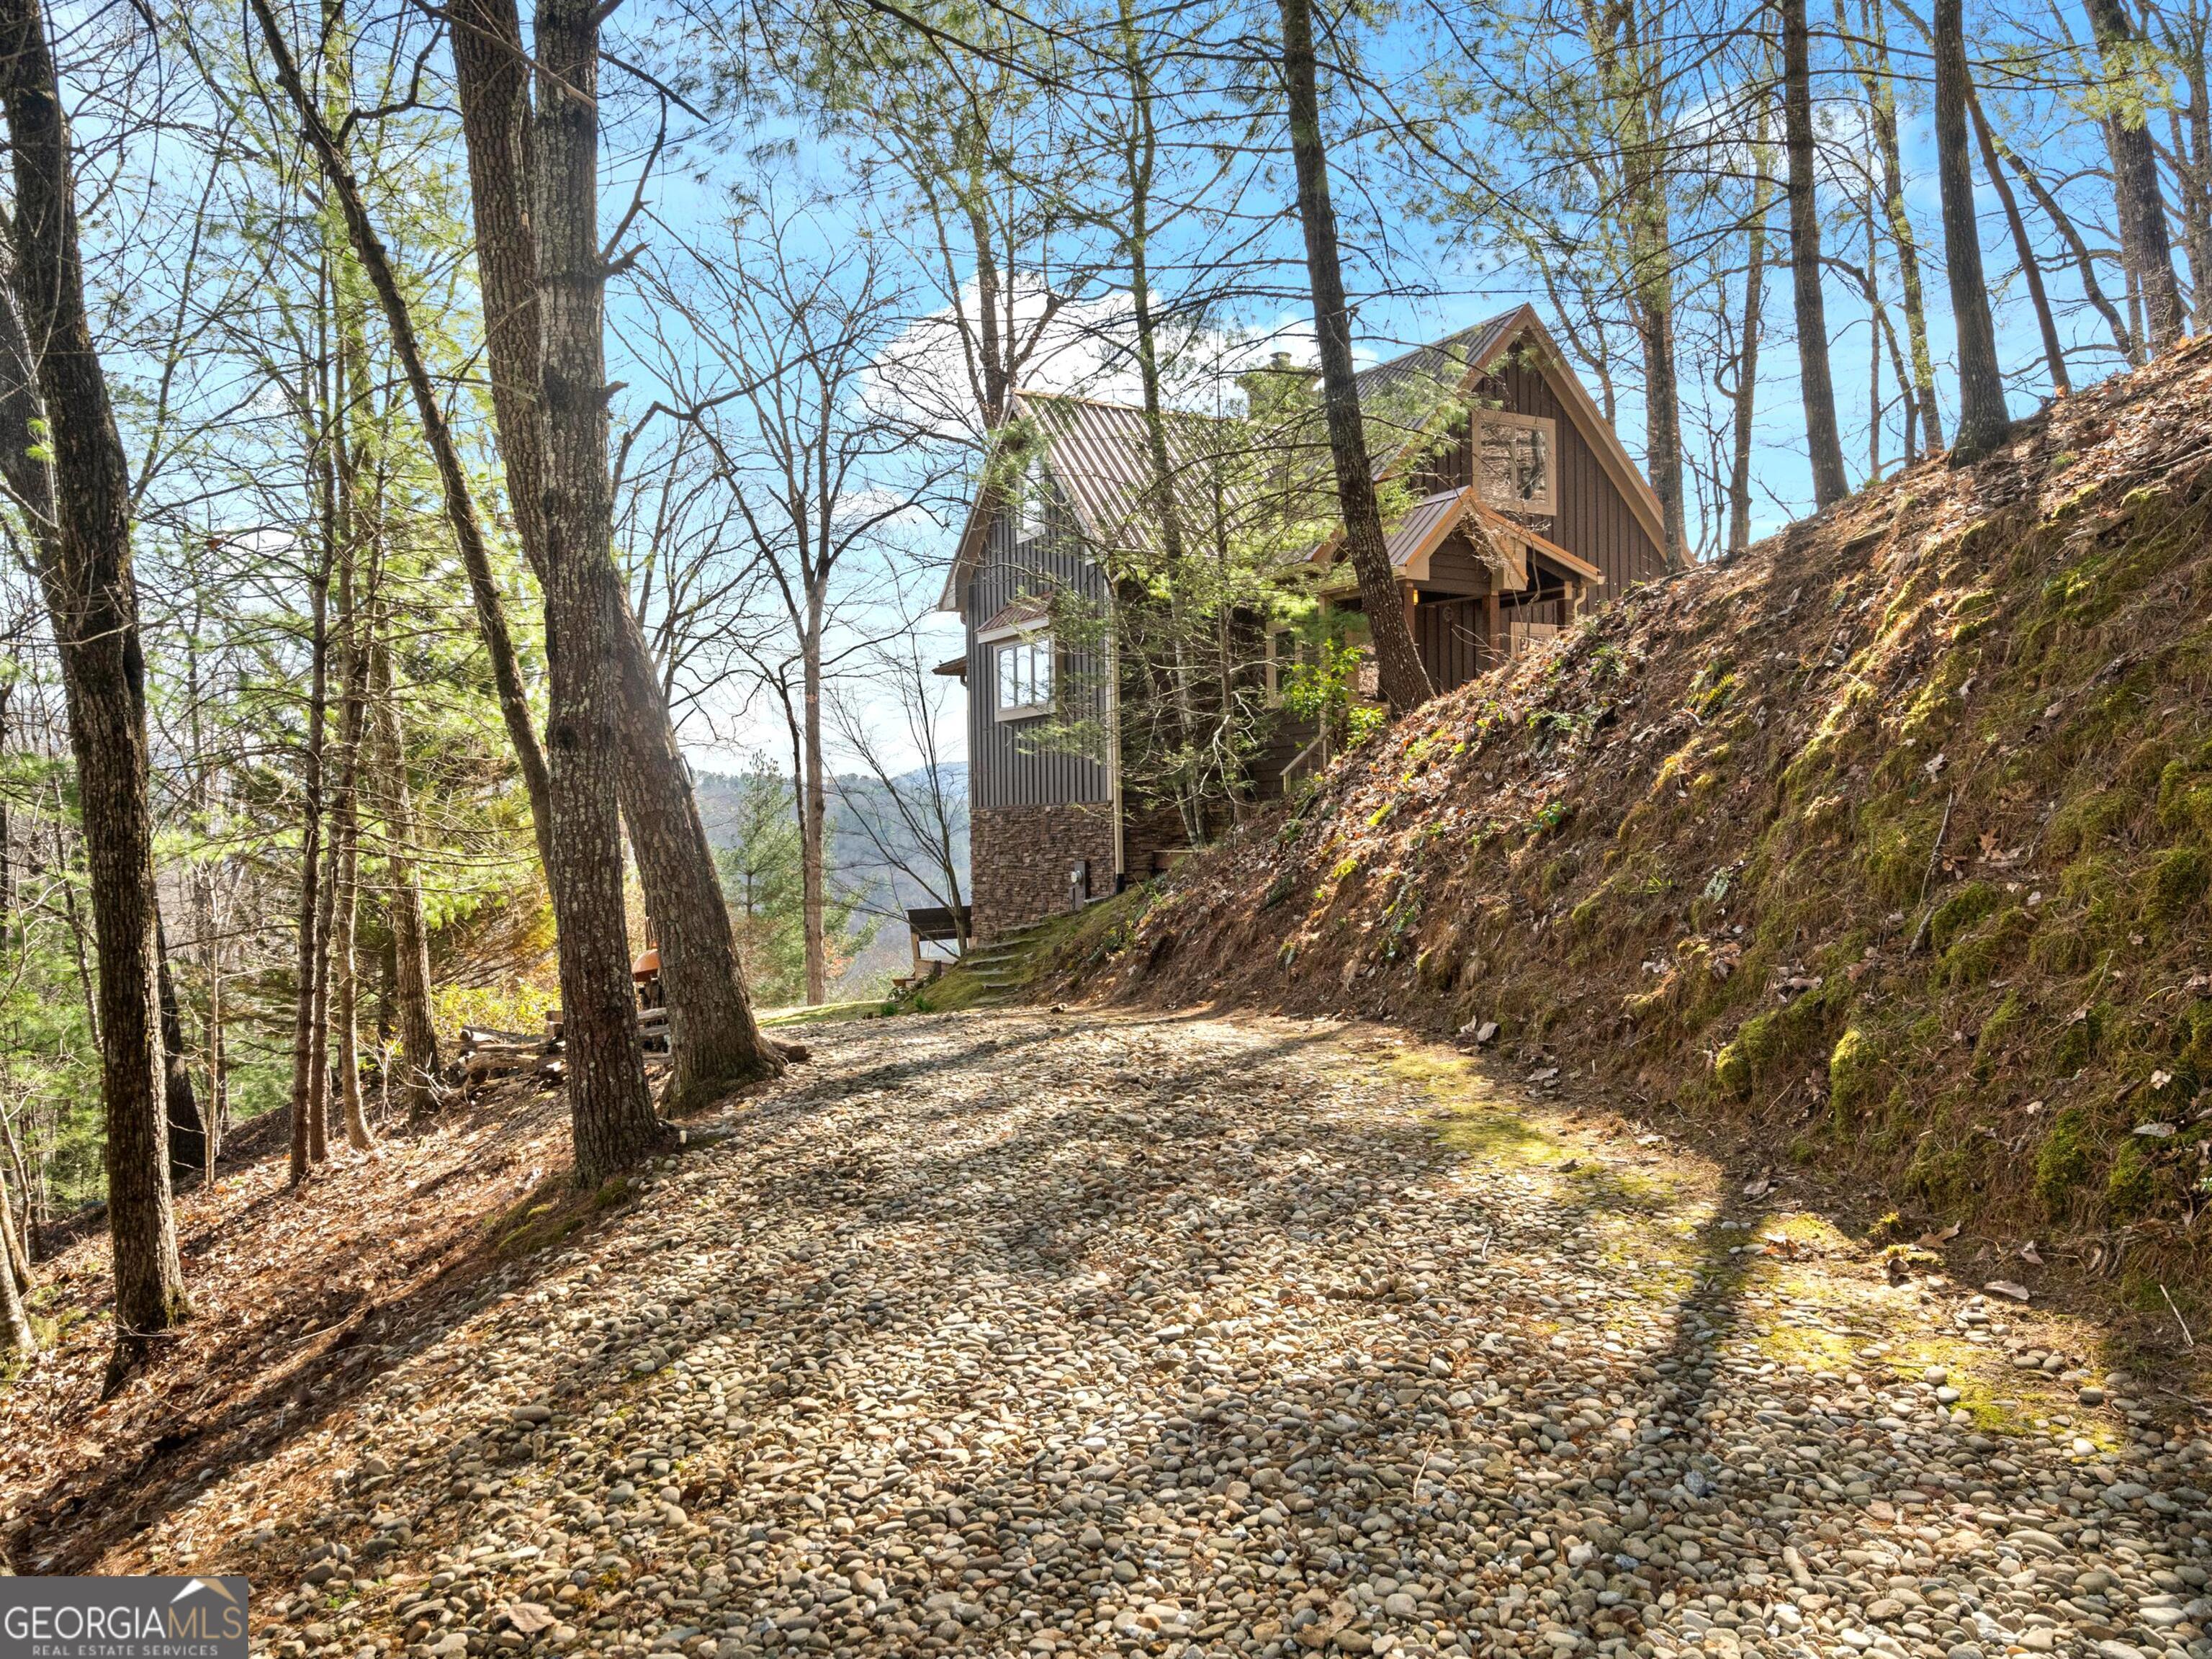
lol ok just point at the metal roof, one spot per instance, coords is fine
(1448, 361)
(1024, 612)
(1100, 456)
(1501, 541)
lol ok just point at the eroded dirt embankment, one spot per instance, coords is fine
(1883, 850)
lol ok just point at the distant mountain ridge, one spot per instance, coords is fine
(857, 804)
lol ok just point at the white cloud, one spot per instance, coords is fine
(1086, 347)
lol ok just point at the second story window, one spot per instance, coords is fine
(1515, 461)
(1021, 669)
(1033, 510)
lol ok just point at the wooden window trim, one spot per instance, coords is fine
(1543, 506)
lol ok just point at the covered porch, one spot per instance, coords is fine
(1478, 585)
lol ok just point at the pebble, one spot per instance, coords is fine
(1019, 1334)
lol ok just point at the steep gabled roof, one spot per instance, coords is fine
(1500, 540)
(1481, 349)
(1098, 451)
(1099, 454)
(1447, 359)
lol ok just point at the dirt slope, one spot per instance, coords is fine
(1885, 848)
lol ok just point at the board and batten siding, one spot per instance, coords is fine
(1006, 766)
(1593, 520)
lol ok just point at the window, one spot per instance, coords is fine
(1514, 460)
(1024, 673)
(1033, 509)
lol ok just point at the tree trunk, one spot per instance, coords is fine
(308, 954)
(1404, 682)
(7, 849)
(611, 1116)
(2085, 263)
(410, 935)
(1881, 104)
(2054, 353)
(319, 1058)
(1636, 78)
(188, 1137)
(1823, 441)
(1746, 379)
(2195, 171)
(2141, 208)
(16, 1340)
(814, 826)
(94, 602)
(1983, 418)
(11, 1225)
(717, 1045)
(346, 850)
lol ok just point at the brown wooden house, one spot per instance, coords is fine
(1526, 510)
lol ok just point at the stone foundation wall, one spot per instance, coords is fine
(1020, 857)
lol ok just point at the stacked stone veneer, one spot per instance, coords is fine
(1019, 858)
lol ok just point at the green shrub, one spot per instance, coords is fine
(1938, 1174)
(2087, 822)
(2184, 793)
(2077, 1041)
(1999, 1028)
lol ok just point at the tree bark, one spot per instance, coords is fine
(410, 935)
(188, 1137)
(93, 598)
(814, 826)
(2141, 208)
(346, 847)
(2054, 353)
(16, 1340)
(1404, 682)
(452, 477)
(1881, 102)
(2085, 263)
(319, 1054)
(1635, 77)
(715, 1041)
(1823, 440)
(610, 1114)
(306, 1019)
(2193, 165)
(1747, 378)
(12, 1229)
(1983, 418)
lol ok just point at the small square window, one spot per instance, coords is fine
(1021, 669)
(1514, 460)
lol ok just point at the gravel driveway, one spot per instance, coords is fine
(1018, 1333)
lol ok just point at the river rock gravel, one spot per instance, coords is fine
(1033, 1334)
